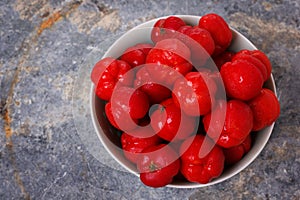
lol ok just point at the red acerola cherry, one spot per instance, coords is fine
(265, 108)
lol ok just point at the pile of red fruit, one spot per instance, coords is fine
(166, 100)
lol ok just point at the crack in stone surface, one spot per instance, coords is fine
(25, 48)
(49, 22)
(9, 132)
(57, 15)
(29, 9)
(92, 15)
(16, 172)
(6, 108)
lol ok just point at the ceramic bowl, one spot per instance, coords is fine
(110, 139)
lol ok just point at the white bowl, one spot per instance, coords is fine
(111, 142)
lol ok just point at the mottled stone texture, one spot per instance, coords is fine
(48, 149)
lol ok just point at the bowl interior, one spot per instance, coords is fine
(109, 136)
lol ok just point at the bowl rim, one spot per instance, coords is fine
(102, 137)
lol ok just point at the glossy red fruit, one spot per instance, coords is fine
(248, 57)
(265, 108)
(195, 93)
(168, 60)
(261, 56)
(133, 101)
(158, 165)
(219, 30)
(236, 127)
(170, 123)
(127, 105)
(107, 72)
(264, 59)
(126, 124)
(242, 79)
(201, 43)
(156, 92)
(166, 28)
(223, 58)
(203, 38)
(236, 153)
(201, 169)
(183, 30)
(136, 55)
(135, 141)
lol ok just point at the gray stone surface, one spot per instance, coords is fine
(45, 48)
